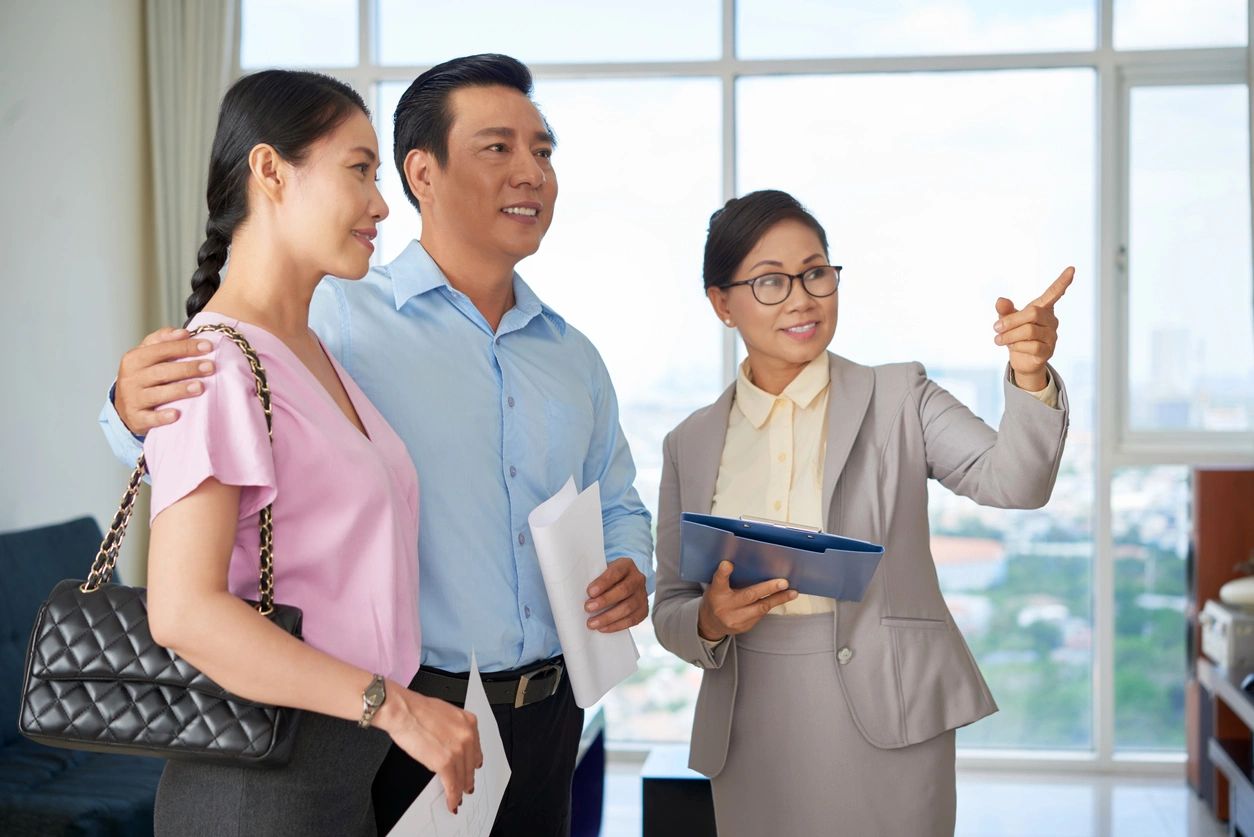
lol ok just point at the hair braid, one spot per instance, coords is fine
(207, 277)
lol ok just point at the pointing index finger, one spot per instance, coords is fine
(1055, 291)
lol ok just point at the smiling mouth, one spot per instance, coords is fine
(525, 211)
(803, 328)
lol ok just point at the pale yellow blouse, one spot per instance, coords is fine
(772, 464)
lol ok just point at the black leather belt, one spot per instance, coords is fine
(518, 687)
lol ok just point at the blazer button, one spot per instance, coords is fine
(844, 655)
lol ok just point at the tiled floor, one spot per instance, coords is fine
(1013, 805)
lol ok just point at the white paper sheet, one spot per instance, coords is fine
(570, 544)
(429, 816)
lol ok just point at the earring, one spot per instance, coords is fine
(728, 321)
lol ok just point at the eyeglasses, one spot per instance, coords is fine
(774, 288)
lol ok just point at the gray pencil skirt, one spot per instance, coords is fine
(323, 790)
(797, 765)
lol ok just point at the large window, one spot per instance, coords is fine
(956, 151)
(942, 192)
(1191, 350)
(1151, 528)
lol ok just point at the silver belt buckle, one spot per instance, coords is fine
(523, 681)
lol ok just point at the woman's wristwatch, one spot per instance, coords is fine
(371, 700)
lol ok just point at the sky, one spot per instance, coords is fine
(325, 32)
(940, 192)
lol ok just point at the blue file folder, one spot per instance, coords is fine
(813, 562)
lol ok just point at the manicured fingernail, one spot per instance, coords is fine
(205, 367)
(997, 340)
(592, 623)
(997, 326)
(203, 346)
(179, 332)
(594, 591)
(590, 607)
(168, 416)
(793, 594)
(781, 585)
(193, 387)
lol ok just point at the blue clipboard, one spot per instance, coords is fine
(813, 562)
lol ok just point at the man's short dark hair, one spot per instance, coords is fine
(423, 116)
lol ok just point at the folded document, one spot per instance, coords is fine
(813, 562)
(570, 546)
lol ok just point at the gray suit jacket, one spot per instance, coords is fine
(906, 671)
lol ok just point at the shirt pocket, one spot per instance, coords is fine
(569, 433)
(910, 622)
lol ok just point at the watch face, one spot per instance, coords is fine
(375, 693)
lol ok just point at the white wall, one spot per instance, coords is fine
(74, 250)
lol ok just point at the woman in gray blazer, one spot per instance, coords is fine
(818, 718)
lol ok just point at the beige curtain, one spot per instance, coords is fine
(190, 45)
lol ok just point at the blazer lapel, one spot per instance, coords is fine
(702, 452)
(848, 398)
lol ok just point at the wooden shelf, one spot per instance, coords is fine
(1232, 758)
(1228, 688)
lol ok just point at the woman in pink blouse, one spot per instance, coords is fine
(292, 193)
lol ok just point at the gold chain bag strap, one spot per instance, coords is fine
(96, 680)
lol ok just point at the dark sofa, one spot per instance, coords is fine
(48, 791)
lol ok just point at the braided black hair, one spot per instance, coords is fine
(286, 109)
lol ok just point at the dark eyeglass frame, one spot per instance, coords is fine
(792, 277)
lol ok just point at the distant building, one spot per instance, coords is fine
(978, 388)
(973, 614)
(1042, 609)
(968, 563)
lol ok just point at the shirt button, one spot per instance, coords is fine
(522, 539)
(844, 655)
(778, 505)
(513, 472)
(510, 401)
(783, 457)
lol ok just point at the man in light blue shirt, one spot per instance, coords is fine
(499, 401)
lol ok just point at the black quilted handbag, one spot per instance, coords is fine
(95, 680)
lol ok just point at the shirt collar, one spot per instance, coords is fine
(756, 404)
(415, 273)
(529, 305)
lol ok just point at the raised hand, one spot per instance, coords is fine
(1031, 333)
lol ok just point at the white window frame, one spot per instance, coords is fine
(1118, 447)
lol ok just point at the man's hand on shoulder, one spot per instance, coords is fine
(619, 597)
(158, 372)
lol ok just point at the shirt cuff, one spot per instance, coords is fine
(711, 646)
(1049, 395)
(126, 446)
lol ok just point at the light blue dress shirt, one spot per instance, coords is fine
(496, 424)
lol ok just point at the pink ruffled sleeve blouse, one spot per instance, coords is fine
(345, 505)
